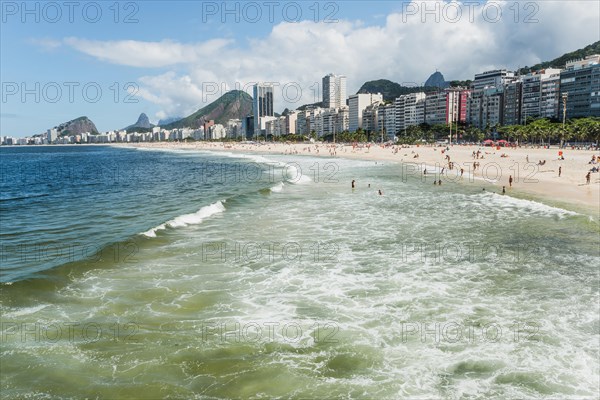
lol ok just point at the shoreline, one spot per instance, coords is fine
(530, 180)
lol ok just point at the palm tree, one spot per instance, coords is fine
(519, 134)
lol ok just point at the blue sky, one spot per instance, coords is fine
(172, 56)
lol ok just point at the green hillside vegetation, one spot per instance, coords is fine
(391, 90)
(76, 126)
(233, 104)
(560, 62)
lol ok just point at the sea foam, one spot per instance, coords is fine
(188, 219)
(277, 188)
(529, 206)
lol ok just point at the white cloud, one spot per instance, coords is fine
(171, 92)
(403, 48)
(46, 44)
(146, 54)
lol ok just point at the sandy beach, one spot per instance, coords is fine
(495, 166)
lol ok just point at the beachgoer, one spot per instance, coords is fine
(503, 189)
(380, 192)
(588, 177)
(353, 183)
(559, 171)
(510, 181)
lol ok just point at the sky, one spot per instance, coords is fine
(111, 61)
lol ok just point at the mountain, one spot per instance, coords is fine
(233, 104)
(142, 122)
(437, 80)
(168, 120)
(560, 62)
(391, 90)
(76, 126)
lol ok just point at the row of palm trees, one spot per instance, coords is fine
(538, 131)
(542, 131)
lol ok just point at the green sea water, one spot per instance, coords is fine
(296, 287)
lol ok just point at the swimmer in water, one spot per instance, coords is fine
(353, 183)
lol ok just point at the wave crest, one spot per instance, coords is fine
(188, 219)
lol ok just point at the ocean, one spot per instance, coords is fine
(163, 273)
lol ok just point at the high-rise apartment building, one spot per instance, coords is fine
(334, 91)
(486, 101)
(512, 103)
(532, 84)
(580, 82)
(357, 104)
(262, 106)
(410, 110)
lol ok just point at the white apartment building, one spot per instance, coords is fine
(322, 121)
(550, 98)
(334, 91)
(496, 78)
(370, 118)
(217, 132)
(588, 61)
(485, 108)
(532, 84)
(326, 122)
(357, 104)
(343, 119)
(51, 135)
(386, 120)
(290, 123)
(234, 128)
(410, 110)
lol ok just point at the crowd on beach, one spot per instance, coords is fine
(448, 165)
(558, 173)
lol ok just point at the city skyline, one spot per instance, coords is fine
(492, 99)
(144, 62)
